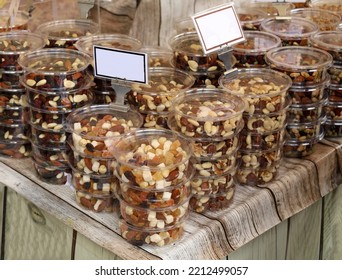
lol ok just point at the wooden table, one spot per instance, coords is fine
(212, 235)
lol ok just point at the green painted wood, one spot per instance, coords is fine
(2, 190)
(31, 233)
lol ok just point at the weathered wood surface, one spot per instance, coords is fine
(2, 210)
(254, 210)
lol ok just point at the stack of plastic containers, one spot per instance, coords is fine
(154, 100)
(262, 137)
(102, 88)
(331, 41)
(307, 67)
(251, 17)
(20, 22)
(334, 6)
(211, 120)
(93, 131)
(13, 121)
(158, 56)
(251, 52)
(65, 33)
(292, 32)
(57, 82)
(153, 166)
(188, 56)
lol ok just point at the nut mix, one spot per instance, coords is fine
(9, 132)
(217, 166)
(93, 202)
(13, 44)
(13, 115)
(188, 54)
(156, 120)
(157, 237)
(335, 73)
(334, 6)
(52, 156)
(15, 148)
(304, 65)
(20, 21)
(46, 119)
(333, 111)
(259, 159)
(55, 70)
(298, 149)
(292, 32)
(261, 141)
(332, 129)
(57, 175)
(251, 52)
(157, 56)
(303, 113)
(208, 113)
(47, 137)
(256, 176)
(250, 17)
(263, 90)
(164, 85)
(65, 33)
(152, 158)
(10, 80)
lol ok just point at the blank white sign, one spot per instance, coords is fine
(218, 27)
(120, 64)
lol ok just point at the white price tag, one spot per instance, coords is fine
(218, 27)
(120, 64)
(13, 10)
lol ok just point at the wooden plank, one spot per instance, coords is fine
(281, 232)
(33, 234)
(2, 198)
(332, 225)
(88, 250)
(66, 213)
(304, 233)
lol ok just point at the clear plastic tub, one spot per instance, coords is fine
(263, 90)
(94, 202)
(59, 101)
(155, 237)
(13, 132)
(20, 22)
(164, 85)
(208, 113)
(15, 148)
(299, 149)
(117, 41)
(334, 93)
(251, 52)
(323, 18)
(309, 94)
(272, 8)
(46, 119)
(153, 218)
(302, 113)
(304, 65)
(65, 33)
(13, 115)
(15, 43)
(12, 98)
(304, 131)
(215, 167)
(333, 111)
(208, 79)
(329, 41)
(250, 17)
(10, 80)
(155, 120)
(103, 97)
(188, 54)
(183, 25)
(55, 70)
(334, 6)
(335, 73)
(332, 129)
(152, 158)
(53, 156)
(292, 32)
(257, 176)
(158, 56)
(51, 174)
(47, 137)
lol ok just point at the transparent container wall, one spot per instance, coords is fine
(49, 10)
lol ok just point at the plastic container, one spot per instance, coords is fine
(55, 70)
(212, 202)
(334, 93)
(117, 41)
(12, 98)
(20, 21)
(335, 73)
(155, 120)
(303, 113)
(250, 17)
(292, 32)
(304, 65)
(188, 54)
(13, 115)
(158, 56)
(47, 137)
(152, 158)
(299, 149)
(95, 203)
(309, 94)
(15, 43)
(208, 113)
(10, 80)
(47, 119)
(103, 97)
(323, 18)
(208, 79)
(215, 167)
(15, 148)
(52, 156)
(304, 131)
(164, 85)
(333, 111)
(329, 41)
(334, 6)
(13, 132)
(155, 237)
(96, 128)
(263, 90)
(272, 8)
(332, 129)
(57, 175)
(65, 33)
(153, 218)
(59, 101)
(251, 52)
(257, 176)
(183, 25)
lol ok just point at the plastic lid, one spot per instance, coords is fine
(68, 29)
(330, 5)
(119, 41)
(187, 42)
(266, 82)
(327, 40)
(299, 58)
(17, 42)
(291, 28)
(257, 41)
(250, 15)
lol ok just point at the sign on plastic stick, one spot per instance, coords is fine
(218, 27)
(121, 65)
